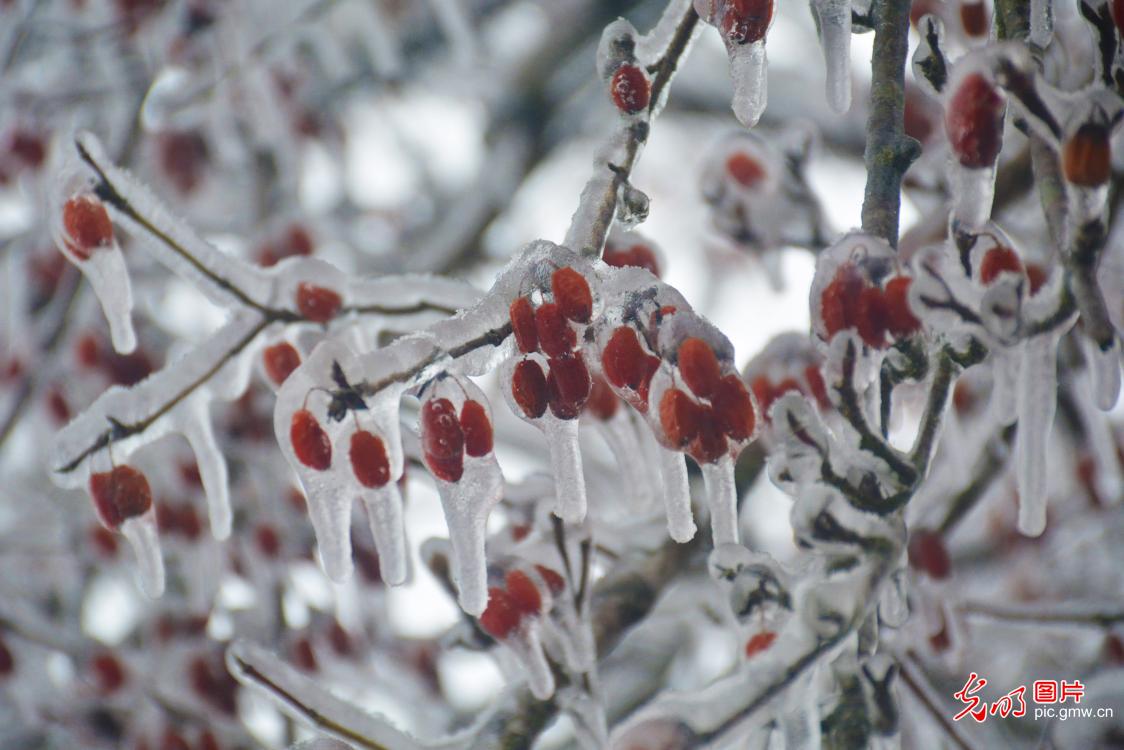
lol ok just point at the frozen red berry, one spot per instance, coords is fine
(568, 386)
(368, 459)
(108, 672)
(477, 429)
(602, 403)
(973, 17)
(267, 541)
(927, 552)
(523, 592)
(317, 303)
(1037, 276)
(974, 122)
(501, 617)
(900, 319)
(571, 292)
(556, 337)
(746, 21)
(120, 494)
(528, 388)
(759, 642)
(873, 317)
(442, 435)
(552, 578)
(280, 360)
(839, 300)
(699, 367)
(623, 359)
(523, 325)
(997, 260)
(744, 169)
(630, 89)
(710, 443)
(310, 442)
(816, 385)
(734, 408)
(87, 225)
(1087, 156)
(679, 417)
(639, 256)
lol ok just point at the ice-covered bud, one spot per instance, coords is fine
(442, 439)
(759, 642)
(973, 121)
(369, 460)
(928, 553)
(280, 360)
(120, 494)
(86, 225)
(630, 89)
(1087, 155)
(316, 303)
(310, 442)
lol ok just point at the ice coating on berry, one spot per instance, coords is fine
(87, 226)
(630, 89)
(699, 367)
(568, 386)
(316, 303)
(974, 121)
(997, 260)
(679, 417)
(522, 316)
(571, 292)
(556, 337)
(734, 408)
(280, 360)
(311, 444)
(529, 388)
(369, 462)
(477, 427)
(501, 617)
(120, 494)
(524, 594)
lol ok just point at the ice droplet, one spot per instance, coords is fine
(143, 537)
(722, 499)
(835, 37)
(1104, 371)
(676, 495)
(1037, 402)
(384, 512)
(748, 68)
(566, 464)
(628, 449)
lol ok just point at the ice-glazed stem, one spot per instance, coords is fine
(722, 499)
(384, 512)
(1037, 401)
(212, 468)
(973, 190)
(1041, 22)
(526, 644)
(1104, 371)
(627, 448)
(1004, 374)
(145, 541)
(330, 512)
(835, 36)
(466, 537)
(676, 496)
(748, 68)
(566, 463)
(109, 278)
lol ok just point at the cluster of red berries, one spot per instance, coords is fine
(120, 494)
(566, 384)
(87, 226)
(718, 408)
(811, 383)
(447, 438)
(520, 599)
(851, 300)
(746, 21)
(974, 121)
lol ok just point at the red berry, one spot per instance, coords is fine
(523, 325)
(973, 17)
(556, 337)
(524, 594)
(188, 523)
(449, 469)
(602, 403)
(442, 436)
(183, 157)
(1118, 17)
(267, 541)
(552, 578)
(104, 541)
(997, 260)
(280, 361)
(764, 392)
(639, 256)
(759, 642)
(814, 378)
(840, 298)
(746, 21)
(679, 417)
(974, 122)
(927, 552)
(734, 408)
(744, 169)
(528, 387)
(57, 405)
(310, 443)
(87, 226)
(108, 672)
(699, 367)
(623, 359)
(873, 317)
(477, 429)
(568, 385)
(571, 292)
(900, 321)
(28, 148)
(1087, 156)
(630, 89)
(339, 639)
(303, 655)
(317, 303)
(120, 494)
(1037, 276)
(501, 617)
(710, 444)
(88, 351)
(368, 459)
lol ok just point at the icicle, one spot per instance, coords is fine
(145, 541)
(212, 468)
(973, 190)
(566, 464)
(1104, 372)
(526, 645)
(621, 435)
(109, 278)
(1037, 402)
(330, 513)
(676, 495)
(1041, 22)
(384, 512)
(1005, 374)
(835, 37)
(748, 68)
(467, 504)
(722, 499)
